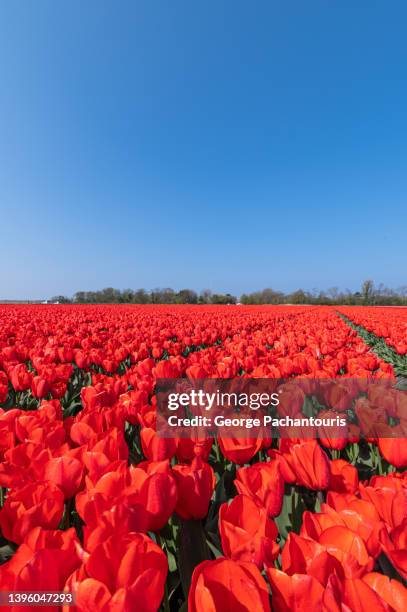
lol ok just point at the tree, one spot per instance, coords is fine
(109, 295)
(168, 296)
(127, 296)
(367, 291)
(369, 294)
(80, 297)
(155, 296)
(223, 298)
(61, 299)
(333, 293)
(205, 297)
(141, 297)
(269, 296)
(187, 296)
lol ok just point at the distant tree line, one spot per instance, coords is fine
(369, 294)
(141, 296)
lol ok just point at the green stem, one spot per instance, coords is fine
(166, 601)
(192, 550)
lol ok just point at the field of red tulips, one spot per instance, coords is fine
(95, 503)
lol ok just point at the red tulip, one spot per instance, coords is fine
(39, 387)
(264, 483)
(20, 377)
(357, 515)
(390, 591)
(310, 465)
(332, 437)
(66, 472)
(348, 548)
(125, 573)
(153, 489)
(227, 585)
(390, 500)
(306, 556)
(343, 476)
(39, 504)
(355, 595)
(294, 593)
(3, 387)
(149, 489)
(27, 570)
(247, 534)
(156, 448)
(239, 450)
(189, 448)
(394, 450)
(195, 484)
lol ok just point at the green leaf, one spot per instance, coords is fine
(283, 520)
(172, 562)
(215, 551)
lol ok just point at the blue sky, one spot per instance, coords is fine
(222, 145)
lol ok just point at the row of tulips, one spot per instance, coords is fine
(387, 323)
(38, 347)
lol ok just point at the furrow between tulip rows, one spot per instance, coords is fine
(380, 347)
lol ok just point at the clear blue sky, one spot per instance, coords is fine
(228, 145)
